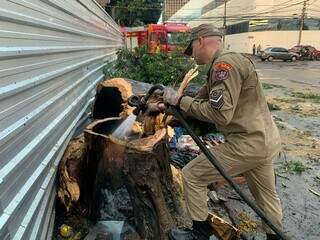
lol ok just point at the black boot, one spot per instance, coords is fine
(273, 237)
(200, 231)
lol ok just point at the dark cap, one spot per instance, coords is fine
(203, 30)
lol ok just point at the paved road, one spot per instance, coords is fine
(297, 75)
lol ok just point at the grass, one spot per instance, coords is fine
(295, 167)
(307, 95)
(295, 108)
(267, 86)
(273, 107)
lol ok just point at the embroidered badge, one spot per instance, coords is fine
(223, 65)
(216, 98)
(222, 71)
(221, 74)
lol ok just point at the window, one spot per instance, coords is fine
(311, 24)
(177, 38)
(277, 24)
(238, 28)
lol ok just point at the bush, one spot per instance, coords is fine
(167, 69)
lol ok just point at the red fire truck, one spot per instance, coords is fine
(167, 37)
(159, 37)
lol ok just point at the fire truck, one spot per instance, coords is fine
(158, 37)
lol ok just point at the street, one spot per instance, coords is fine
(297, 75)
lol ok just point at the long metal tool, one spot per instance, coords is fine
(222, 171)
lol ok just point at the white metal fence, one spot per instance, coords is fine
(52, 53)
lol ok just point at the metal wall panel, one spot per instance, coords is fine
(52, 53)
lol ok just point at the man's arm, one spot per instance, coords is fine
(202, 93)
(220, 105)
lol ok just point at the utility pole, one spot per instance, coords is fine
(164, 11)
(303, 15)
(225, 23)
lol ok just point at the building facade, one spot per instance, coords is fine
(274, 23)
(171, 7)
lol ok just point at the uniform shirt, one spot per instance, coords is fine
(233, 100)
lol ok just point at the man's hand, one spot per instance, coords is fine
(171, 97)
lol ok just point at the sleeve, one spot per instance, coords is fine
(219, 107)
(202, 93)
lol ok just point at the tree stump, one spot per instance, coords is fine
(139, 164)
(142, 165)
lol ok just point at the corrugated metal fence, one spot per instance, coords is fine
(52, 53)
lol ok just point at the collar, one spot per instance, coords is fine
(216, 55)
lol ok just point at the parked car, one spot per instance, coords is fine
(306, 52)
(315, 55)
(278, 53)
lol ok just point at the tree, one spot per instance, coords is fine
(135, 12)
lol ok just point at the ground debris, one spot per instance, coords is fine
(246, 225)
(314, 192)
(221, 228)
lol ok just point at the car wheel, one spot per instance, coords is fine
(270, 58)
(293, 58)
(317, 58)
(262, 59)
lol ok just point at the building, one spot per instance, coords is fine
(171, 7)
(268, 23)
(193, 9)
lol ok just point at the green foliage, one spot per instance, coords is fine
(307, 95)
(167, 69)
(295, 167)
(135, 12)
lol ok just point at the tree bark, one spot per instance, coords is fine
(142, 165)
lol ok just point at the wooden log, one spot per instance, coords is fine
(69, 178)
(142, 165)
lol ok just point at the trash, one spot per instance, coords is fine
(65, 231)
(185, 142)
(178, 132)
(181, 158)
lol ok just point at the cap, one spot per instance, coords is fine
(203, 30)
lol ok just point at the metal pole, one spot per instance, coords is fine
(303, 15)
(222, 171)
(225, 23)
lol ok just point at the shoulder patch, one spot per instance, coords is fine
(223, 66)
(216, 98)
(222, 70)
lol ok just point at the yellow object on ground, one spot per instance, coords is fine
(66, 231)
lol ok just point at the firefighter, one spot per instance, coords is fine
(233, 100)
